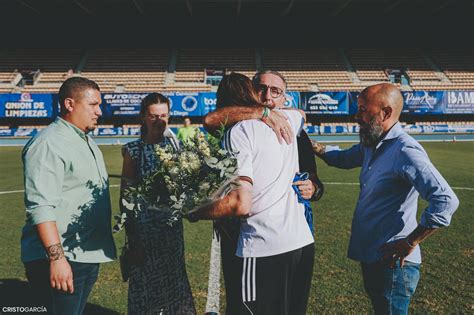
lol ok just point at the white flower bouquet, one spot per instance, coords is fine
(197, 173)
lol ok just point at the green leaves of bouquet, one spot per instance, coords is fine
(197, 173)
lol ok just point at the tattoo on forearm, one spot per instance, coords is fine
(55, 252)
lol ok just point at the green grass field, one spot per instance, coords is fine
(446, 284)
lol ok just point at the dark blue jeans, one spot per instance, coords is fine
(60, 302)
(390, 289)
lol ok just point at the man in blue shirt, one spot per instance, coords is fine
(395, 169)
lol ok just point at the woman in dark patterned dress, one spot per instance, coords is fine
(158, 282)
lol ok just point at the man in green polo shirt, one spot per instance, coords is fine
(68, 213)
(187, 131)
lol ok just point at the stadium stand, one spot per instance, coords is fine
(50, 67)
(191, 63)
(127, 70)
(308, 69)
(457, 65)
(46, 60)
(372, 65)
(183, 70)
(7, 77)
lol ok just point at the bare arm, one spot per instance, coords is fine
(129, 177)
(61, 276)
(400, 249)
(229, 116)
(129, 172)
(237, 203)
(420, 234)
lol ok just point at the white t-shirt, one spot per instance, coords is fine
(276, 222)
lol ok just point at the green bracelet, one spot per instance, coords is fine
(266, 112)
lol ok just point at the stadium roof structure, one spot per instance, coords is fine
(241, 22)
(231, 8)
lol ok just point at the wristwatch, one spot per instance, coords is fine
(318, 193)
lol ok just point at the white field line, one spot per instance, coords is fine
(326, 183)
(357, 184)
(20, 191)
(213, 284)
(419, 140)
(10, 192)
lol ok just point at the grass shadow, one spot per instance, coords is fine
(92, 309)
(16, 292)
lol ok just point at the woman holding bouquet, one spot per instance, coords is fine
(158, 282)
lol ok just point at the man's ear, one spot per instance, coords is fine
(388, 112)
(69, 104)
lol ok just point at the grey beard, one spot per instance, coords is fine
(370, 135)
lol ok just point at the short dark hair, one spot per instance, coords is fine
(236, 89)
(72, 87)
(256, 77)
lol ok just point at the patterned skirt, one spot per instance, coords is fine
(160, 285)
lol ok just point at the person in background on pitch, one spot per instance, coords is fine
(395, 170)
(187, 131)
(68, 213)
